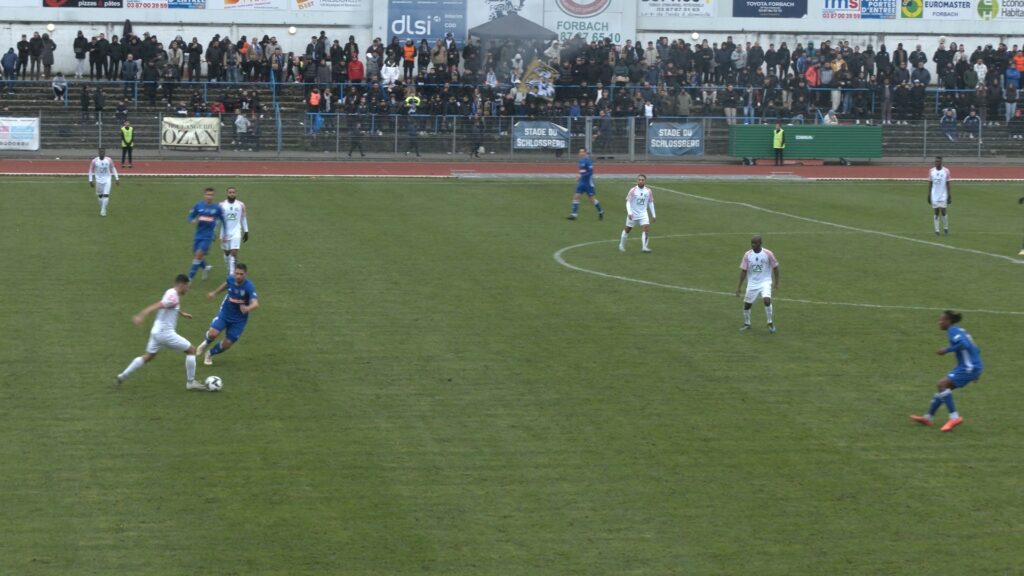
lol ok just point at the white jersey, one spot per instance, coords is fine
(102, 170)
(638, 201)
(235, 221)
(167, 316)
(759, 266)
(940, 185)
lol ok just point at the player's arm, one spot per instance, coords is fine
(192, 215)
(139, 318)
(252, 305)
(775, 277)
(113, 170)
(956, 343)
(245, 224)
(949, 192)
(650, 205)
(223, 286)
(743, 276)
(184, 314)
(92, 168)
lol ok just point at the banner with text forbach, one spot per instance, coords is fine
(769, 8)
(940, 9)
(592, 19)
(190, 133)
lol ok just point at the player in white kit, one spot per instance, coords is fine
(101, 169)
(761, 271)
(939, 195)
(235, 229)
(639, 200)
(163, 334)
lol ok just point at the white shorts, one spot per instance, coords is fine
(941, 204)
(763, 290)
(631, 223)
(160, 340)
(103, 188)
(233, 243)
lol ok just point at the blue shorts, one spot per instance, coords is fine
(234, 329)
(584, 189)
(201, 244)
(961, 377)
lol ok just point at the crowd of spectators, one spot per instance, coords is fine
(743, 82)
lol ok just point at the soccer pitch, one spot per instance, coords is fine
(447, 377)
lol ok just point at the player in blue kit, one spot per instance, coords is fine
(234, 313)
(585, 185)
(968, 369)
(204, 215)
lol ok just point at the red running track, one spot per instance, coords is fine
(79, 167)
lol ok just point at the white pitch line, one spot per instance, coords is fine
(842, 226)
(560, 259)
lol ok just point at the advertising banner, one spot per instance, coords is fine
(19, 133)
(939, 9)
(538, 135)
(430, 19)
(332, 5)
(83, 3)
(676, 8)
(253, 4)
(190, 133)
(859, 9)
(175, 4)
(675, 139)
(1007, 8)
(769, 8)
(592, 19)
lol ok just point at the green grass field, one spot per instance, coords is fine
(426, 390)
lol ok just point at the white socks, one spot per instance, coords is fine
(936, 217)
(231, 264)
(746, 316)
(190, 367)
(645, 240)
(945, 222)
(768, 311)
(622, 240)
(137, 363)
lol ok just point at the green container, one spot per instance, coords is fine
(807, 141)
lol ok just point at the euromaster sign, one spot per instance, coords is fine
(592, 19)
(939, 9)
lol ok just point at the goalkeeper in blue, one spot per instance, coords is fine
(968, 369)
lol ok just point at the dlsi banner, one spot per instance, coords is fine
(675, 138)
(190, 133)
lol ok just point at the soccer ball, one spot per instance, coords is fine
(214, 384)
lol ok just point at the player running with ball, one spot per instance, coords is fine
(234, 313)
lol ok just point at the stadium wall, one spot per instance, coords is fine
(862, 22)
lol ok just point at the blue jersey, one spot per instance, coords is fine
(237, 295)
(968, 357)
(206, 217)
(586, 172)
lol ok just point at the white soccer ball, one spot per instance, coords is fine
(695, 35)
(214, 384)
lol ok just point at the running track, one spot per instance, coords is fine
(79, 167)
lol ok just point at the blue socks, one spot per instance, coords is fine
(940, 398)
(598, 206)
(575, 207)
(192, 270)
(216, 349)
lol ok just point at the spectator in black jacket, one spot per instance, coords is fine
(115, 55)
(24, 49)
(81, 48)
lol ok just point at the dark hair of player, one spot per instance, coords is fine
(952, 316)
(209, 189)
(241, 266)
(181, 279)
